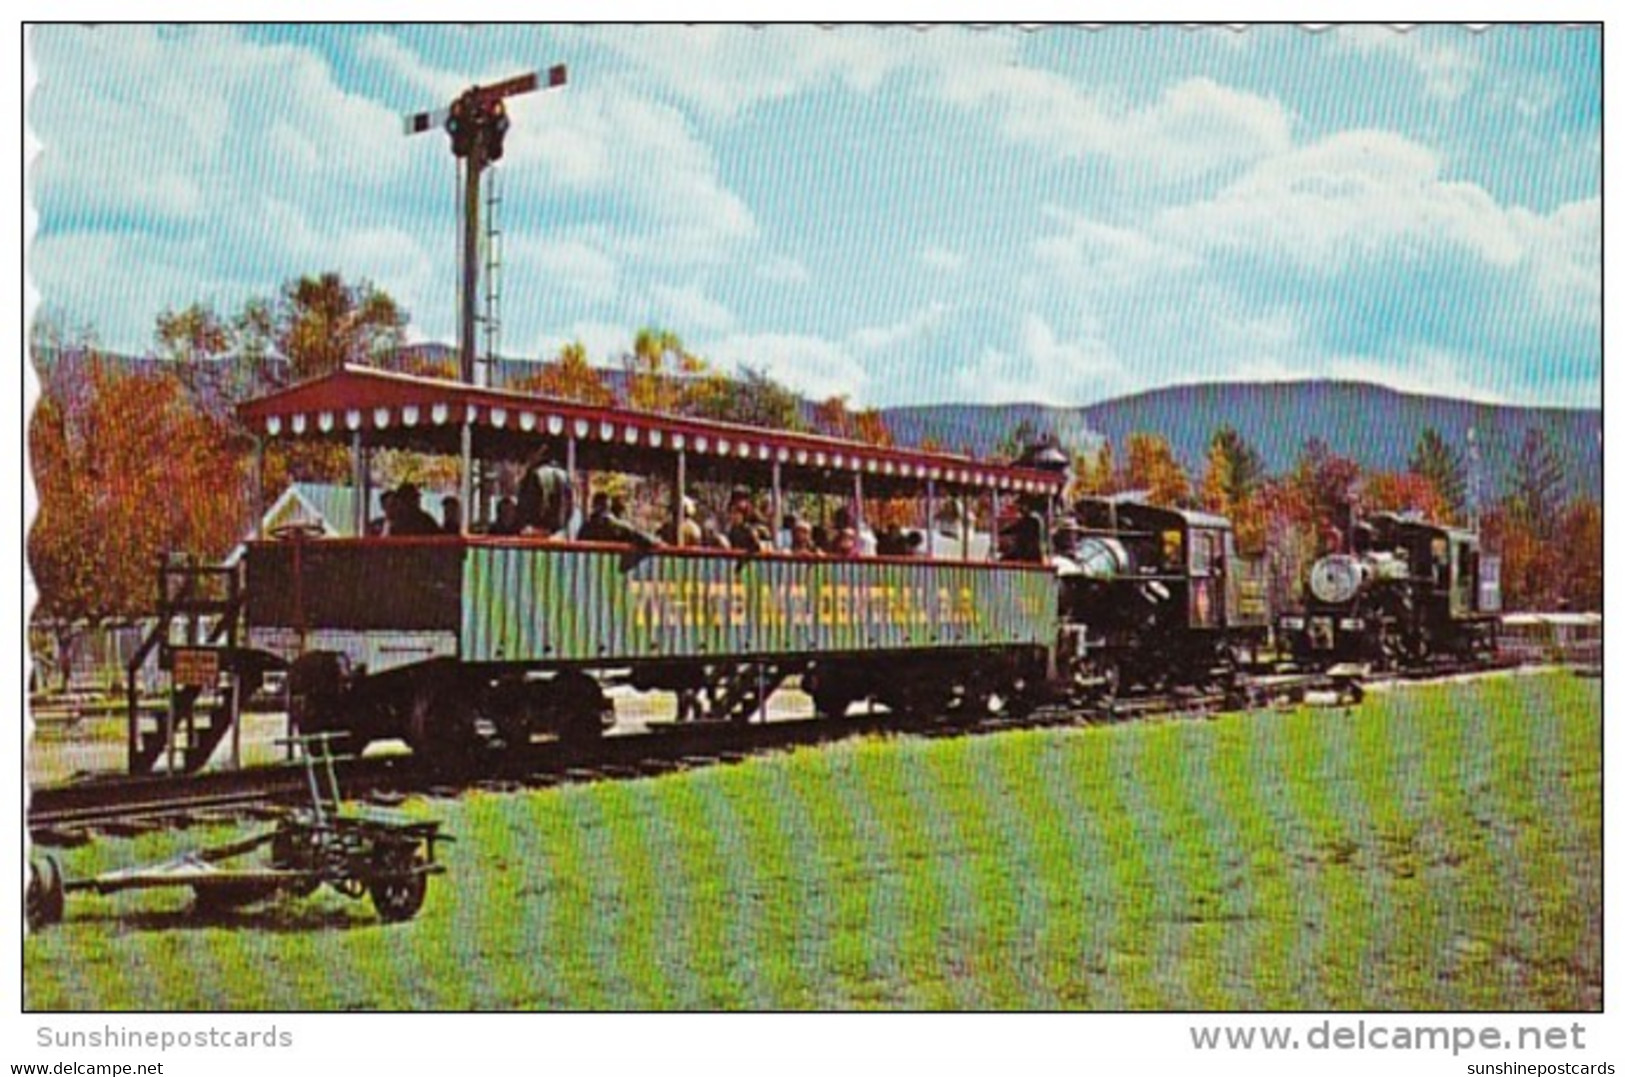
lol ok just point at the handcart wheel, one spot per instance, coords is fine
(399, 888)
(46, 897)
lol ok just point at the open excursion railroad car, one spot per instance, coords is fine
(452, 640)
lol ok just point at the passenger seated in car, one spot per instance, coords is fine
(507, 521)
(406, 515)
(801, 539)
(843, 536)
(603, 525)
(745, 529)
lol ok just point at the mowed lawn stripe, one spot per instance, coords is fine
(1303, 921)
(858, 853)
(1458, 765)
(1420, 885)
(577, 934)
(980, 877)
(1544, 782)
(1074, 872)
(924, 940)
(1247, 795)
(1222, 911)
(1574, 790)
(1026, 829)
(647, 914)
(708, 921)
(728, 801)
(1203, 912)
(1320, 784)
(796, 893)
(1110, 792)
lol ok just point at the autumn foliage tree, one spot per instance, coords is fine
(568, 376)
(128, 470)
(322, 322)
(1404, 491)
(1150, 465)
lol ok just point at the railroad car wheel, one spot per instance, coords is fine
(582, 708)
(46, 898)
(440, 722)
(317, 684)
(399, 888)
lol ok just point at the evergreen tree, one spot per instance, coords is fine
(1440, 464)
(1536, 485)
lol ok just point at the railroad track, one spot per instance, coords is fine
(63, 814)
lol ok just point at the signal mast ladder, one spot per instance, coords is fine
(200, 613)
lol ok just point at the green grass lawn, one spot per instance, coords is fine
(1437, 848)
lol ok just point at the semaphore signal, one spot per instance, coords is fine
(477, 123)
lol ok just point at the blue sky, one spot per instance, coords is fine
(902, 216)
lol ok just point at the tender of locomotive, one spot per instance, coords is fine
(456, 640)
(1160, 598)
(1408, 593)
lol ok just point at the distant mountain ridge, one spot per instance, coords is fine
(1376, 426)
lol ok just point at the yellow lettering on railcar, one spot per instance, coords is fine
(657, 604)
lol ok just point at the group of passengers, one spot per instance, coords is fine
(545, 507)
(404, 514)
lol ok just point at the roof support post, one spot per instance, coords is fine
(578, 495)
(679, 495)
(993, 529)
(778, 502)
(358, 484)
(465, 487)
(930, 518)
(857, 505)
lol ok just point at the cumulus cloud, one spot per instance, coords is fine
(690, 307)
(1197, 127)
(942, 259)
(724, 71)
(1338, 200)
(911, 328)
(1044, 369)
(813, 366)
(1446, 68)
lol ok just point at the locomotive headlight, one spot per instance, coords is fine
(1335, 579)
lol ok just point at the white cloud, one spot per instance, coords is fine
(1447, 71)
(812, 366)
(690, 307)
(580, 270)
(724, 71)
(1093, 255)
(1197, 126)
(942, 259)
(605, 342)
(1564, 255)
(1425, 370)
(1343, 199)
(781, 269)
(919, 325)
(1045, 370)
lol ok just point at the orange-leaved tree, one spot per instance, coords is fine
(128, 469)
